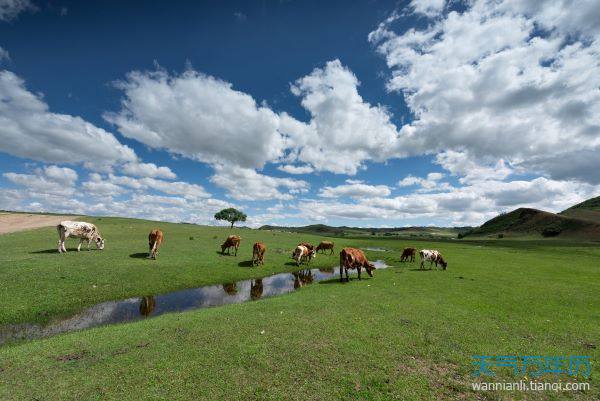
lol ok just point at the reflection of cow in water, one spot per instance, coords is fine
(329, 270)
(302, 278)
(256, 289)
(147, 306)
(230, 288)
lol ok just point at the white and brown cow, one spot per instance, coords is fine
(432, 256)
(303, 254)
(78, 229)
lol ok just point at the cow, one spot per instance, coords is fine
(308, 245)
(233, 241)
(155, 239)
(325, 245)
(303, 254)
(408, 255)
(432, 256)
(258, 254)
(352, 258)
(78, 229)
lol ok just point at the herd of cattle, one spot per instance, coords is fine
(350, 258)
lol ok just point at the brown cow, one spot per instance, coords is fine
(258, 254)
(233, 241)
(325, 245)
(352, 258)
(408, 253)
(155, 239)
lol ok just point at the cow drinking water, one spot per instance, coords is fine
(78, 229)
(352, 258)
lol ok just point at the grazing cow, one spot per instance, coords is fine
(308, 245)
(258, 254)
(78, 229)
(408, 255)
(352, 258)
(155, 239)
(303, 254)
(432, 256)
(325, 245)
(233, 241)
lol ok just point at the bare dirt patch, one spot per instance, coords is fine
(13, 222)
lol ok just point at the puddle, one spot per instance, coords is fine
(134, 309)
(376, 249)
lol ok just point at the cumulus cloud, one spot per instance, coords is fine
(344, 130)
(355, 189)
(510, 82)
(247, 184)
(148, 170)
(28, 129)
(49, 180)
(197, 116)
(4, 55)
(429, 182)
(10, 9)
(291, 169)
(430, 8)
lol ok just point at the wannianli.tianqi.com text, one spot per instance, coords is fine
(532, 385)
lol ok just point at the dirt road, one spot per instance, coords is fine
(12, 222)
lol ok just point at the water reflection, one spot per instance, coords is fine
(138, 308)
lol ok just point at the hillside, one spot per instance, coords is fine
(532, 222)
(412, 232)
(588, 210)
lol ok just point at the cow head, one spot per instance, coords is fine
(100, 243)
(312, 253)
(443, 263)
(369, 267)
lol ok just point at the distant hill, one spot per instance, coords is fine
(588, 210)
(536, 223)
(414, 232)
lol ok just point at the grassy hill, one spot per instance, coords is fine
(588, 210)
(402, 232)
(525, 222)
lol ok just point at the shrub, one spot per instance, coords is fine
(552, 229)
(500, 235)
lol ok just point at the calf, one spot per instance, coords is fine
(155, 239)
(233, 241)
(408, 255)
(352, 258)
(432, 256)
(303, 254)
(78, 229)
(325, 245)
(258, 254)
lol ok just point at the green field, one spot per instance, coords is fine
(403, 335)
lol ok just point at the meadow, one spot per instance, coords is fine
(404, 334)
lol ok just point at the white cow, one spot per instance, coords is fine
(78, 229)
(303, 254)
(432, 256)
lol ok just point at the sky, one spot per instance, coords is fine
(367, 113)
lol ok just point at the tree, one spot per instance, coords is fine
(231, 215)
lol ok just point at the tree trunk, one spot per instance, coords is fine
(231, 228)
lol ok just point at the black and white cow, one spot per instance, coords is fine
(78, 229)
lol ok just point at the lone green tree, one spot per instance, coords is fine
(231, 215)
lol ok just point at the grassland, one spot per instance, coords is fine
(402, 335)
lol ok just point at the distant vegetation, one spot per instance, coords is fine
(401, 232)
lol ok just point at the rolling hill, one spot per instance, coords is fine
(581, 221)
(412, 232)
(588, 210)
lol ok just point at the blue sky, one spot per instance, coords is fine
(372, 113)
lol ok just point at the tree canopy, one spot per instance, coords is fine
(231, 215)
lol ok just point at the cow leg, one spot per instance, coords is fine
(341, 273)
(79, 246)
(60, 246)
(359, 269)
(89, 241)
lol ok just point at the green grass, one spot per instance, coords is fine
(404, 334)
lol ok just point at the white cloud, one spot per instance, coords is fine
(355, 189)
(28, 129)
(430, 8)
(10, 9)
(148, 170)
(4, 55)
(344, 131)
(489, 84)
(291, 169)
(247, 184)
(50, 180)
(178, 188)
(197, 116)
